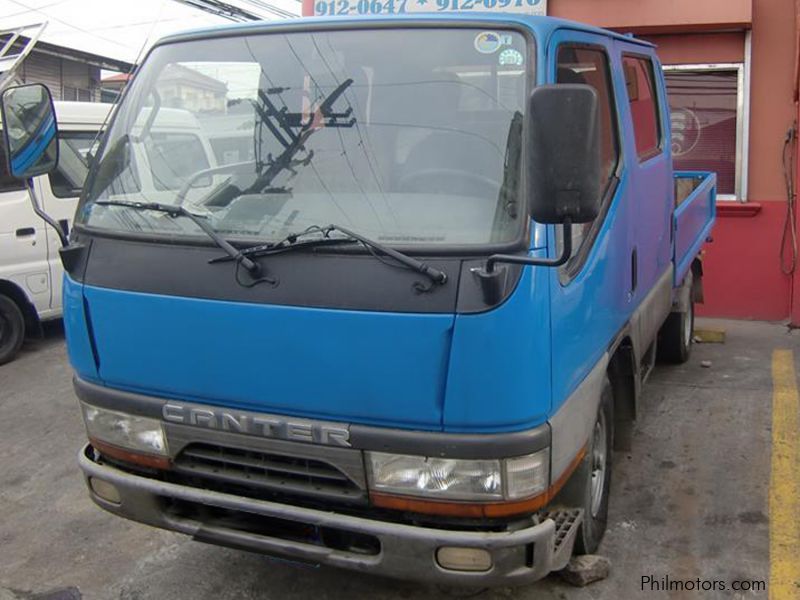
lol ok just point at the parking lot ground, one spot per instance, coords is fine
(691, 501)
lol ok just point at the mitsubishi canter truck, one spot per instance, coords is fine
(403, 322)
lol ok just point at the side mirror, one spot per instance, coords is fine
(29, 130)
(564, 163)
(563, 182)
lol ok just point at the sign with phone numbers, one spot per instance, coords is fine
(329, 8)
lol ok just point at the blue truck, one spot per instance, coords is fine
(399, 317)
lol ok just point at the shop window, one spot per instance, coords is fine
(590, 66)
(641, 88)
(703, 105)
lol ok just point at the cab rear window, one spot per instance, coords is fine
(641, 88)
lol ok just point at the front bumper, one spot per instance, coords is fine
(403, 551)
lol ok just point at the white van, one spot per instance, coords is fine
(30, 269)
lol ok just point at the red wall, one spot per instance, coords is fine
(693, 48)
(657, 15)
(742, 275)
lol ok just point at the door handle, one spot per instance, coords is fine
(25, 231)
(634, 270)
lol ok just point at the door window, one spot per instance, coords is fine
(590, 66)
(641, 88)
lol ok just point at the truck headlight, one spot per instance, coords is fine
(492, 480)
(435, 477)
(129, 432)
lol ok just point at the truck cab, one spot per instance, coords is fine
(406, 332)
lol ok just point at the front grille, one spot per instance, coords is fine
(265, 471)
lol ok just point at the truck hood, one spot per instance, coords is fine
(344, 365)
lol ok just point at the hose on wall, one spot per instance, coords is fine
(789, 237)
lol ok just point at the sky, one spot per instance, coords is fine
(114, 28)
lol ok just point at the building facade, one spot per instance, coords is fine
(731, 70)
(69, 74)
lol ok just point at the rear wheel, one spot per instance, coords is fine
(12, 329)
(675, 339)
(590, 485)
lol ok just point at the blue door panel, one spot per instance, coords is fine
(589, 309)
(377, 368)
(651, 187)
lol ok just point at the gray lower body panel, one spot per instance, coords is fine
(402, 551)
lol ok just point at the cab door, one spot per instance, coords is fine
(651, 176)
(590, 295)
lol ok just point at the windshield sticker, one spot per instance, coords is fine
(509, 56)
(487, 42)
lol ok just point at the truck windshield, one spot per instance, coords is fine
(410, 137)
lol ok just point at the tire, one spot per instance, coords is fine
(582, 491)
(675, 337)
(12, 329)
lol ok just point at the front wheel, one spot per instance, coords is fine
(12, 329)
(590, 484)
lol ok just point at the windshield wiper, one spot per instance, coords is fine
(290, 242)
(179, 211)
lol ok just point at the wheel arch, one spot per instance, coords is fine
(622, 374)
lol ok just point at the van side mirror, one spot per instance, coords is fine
(30, 132)
(564, 160)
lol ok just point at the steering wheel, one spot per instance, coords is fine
(446, 180)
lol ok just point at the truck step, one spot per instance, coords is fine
(567, 522)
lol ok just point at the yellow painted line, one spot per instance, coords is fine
(784, 484)
(710, 335)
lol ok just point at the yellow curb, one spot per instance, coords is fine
(709, 335)
(784, 485)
